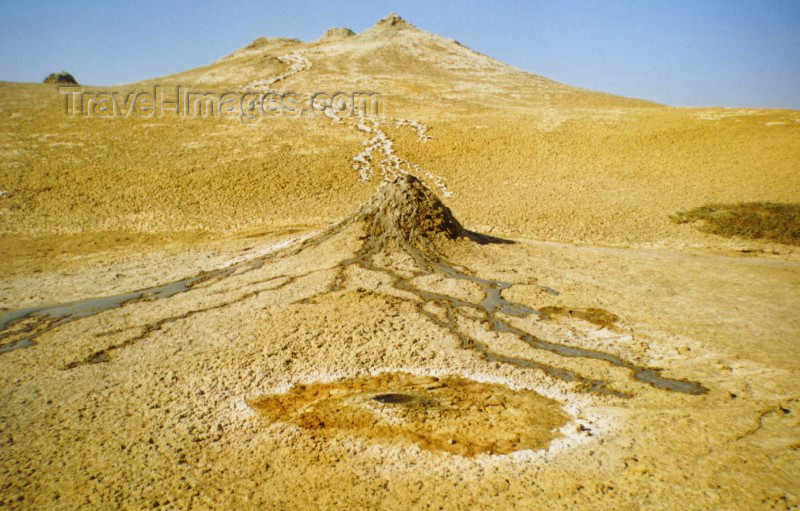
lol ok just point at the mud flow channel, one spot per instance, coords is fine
(406, 218)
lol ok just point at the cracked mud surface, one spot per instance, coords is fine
(403, 216)
(147, 403)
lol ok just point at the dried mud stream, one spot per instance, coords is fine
(404, 216)
(340, 361)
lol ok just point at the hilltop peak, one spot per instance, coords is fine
(393, 19)
(392, 23)
(334, 34)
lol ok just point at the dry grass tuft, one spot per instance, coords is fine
(753, 220)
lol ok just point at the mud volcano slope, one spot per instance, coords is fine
(398, 237)
(405, 220)
(390, 340)
(404, 212)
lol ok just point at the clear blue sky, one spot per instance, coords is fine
(678, 52)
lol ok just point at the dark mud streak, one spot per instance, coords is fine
(49, 317)
(494, 303)
(148, 329)
(397, 217)
(394, 398)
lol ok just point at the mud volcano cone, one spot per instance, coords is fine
(404, 212)
(62, 78)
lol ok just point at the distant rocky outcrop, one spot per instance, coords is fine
(393, 20)
(266, 42)
(336, 34)
(62, 78)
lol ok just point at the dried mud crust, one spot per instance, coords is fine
(448, 414)
(406, 218)
(160, 422)
(164, 419)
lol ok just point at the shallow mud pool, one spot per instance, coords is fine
(447, 414)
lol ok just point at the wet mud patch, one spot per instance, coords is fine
(448, 414)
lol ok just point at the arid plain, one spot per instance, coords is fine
(249, 324)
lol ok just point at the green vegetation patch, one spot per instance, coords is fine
(753, 220)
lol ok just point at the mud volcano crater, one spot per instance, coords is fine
(445, 414)
(394, 399)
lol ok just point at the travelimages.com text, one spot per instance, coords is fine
(249, 107)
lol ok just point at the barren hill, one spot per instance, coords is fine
(393, 56)
(518, 153)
